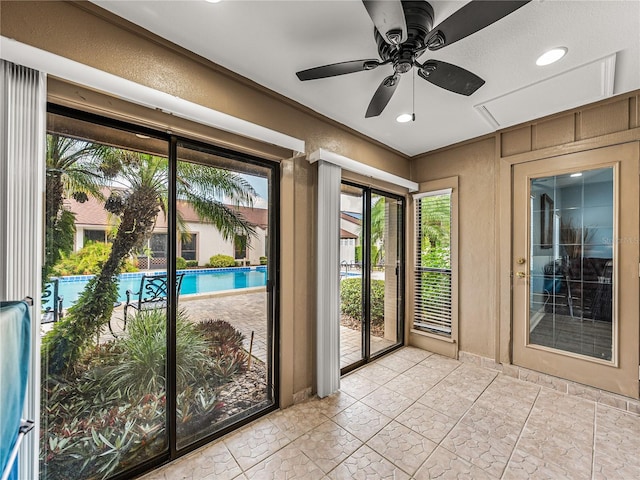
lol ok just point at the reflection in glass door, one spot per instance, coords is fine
(371, 259)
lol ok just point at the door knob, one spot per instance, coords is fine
(521, 275)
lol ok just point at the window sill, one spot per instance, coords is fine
(433, 335)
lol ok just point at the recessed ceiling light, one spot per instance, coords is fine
(579, 174)
(553, 55)
(144, 137)
(405, 117)
(213, 1)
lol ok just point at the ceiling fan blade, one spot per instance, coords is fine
(338, 69)
(450, 77)
(382, 96)
(474, 16)
(388, 17)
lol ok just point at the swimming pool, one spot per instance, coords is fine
(194, 281)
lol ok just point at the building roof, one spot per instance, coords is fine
(348, 216)
(346, 234)
(92, 213)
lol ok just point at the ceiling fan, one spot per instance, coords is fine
(404, 31)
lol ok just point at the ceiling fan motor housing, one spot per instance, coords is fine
(419, 20)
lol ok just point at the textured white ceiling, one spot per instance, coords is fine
(268, 41)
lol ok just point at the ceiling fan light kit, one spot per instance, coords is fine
(404, 32)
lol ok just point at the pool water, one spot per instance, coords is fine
(193, 282)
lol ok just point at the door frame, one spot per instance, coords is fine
(367, 192)
(504, 233)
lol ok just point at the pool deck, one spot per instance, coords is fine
(246, 310)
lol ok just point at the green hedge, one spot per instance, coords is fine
(351, 299)
(181, 263)
(88, 261)
(192, 263)
(219, 261)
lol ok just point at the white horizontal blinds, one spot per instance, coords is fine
(433, 310)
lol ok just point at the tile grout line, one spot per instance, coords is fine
(526, 421)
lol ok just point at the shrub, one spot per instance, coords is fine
(88, 261)
(141, 367)
(192, 263)
(181, 263)
(263, 260)
(351, 299)
(227, 352)
(221, 334)
(219, 261)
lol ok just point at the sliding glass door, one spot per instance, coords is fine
(156, 336)
(371, 279)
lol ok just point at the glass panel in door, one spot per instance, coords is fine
(103, 388)
(386, 255)
(571, 262)
(224, 321)
(351, 275)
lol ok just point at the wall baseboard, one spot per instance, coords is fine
(569, 387)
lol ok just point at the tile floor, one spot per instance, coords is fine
(416, 415)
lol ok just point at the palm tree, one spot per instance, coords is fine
(136, 208)
(72, 170)
(436, 231)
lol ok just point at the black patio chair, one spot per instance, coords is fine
(52, 313)
(151, 295)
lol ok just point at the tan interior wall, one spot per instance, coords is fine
(474, 164)
(484, 169)
(85, 33)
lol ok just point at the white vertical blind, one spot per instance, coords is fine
(22, 170)
(328, 299)
(433, 294)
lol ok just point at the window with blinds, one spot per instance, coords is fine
(433, 292)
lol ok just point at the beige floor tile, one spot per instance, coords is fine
(500, 424)
(361, 420)
(366, 464)
(444, 465)
(438, 362)
(377, 373)
(215, 461)
(298, 419)
(396, 363)
(357, 386)
(424, 375)
(256, 442)
(402, 446)
(289, 463)
(478, 417)
(544, 438)
(409, 387)
(413, 354)
(335, 403)
(445, 399)
(617, 444)
(327, 445)
(387, 401)
(484, 450)
(426, 421)
(523, 466)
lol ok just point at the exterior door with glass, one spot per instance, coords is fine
(575, 267)
(371, 287)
